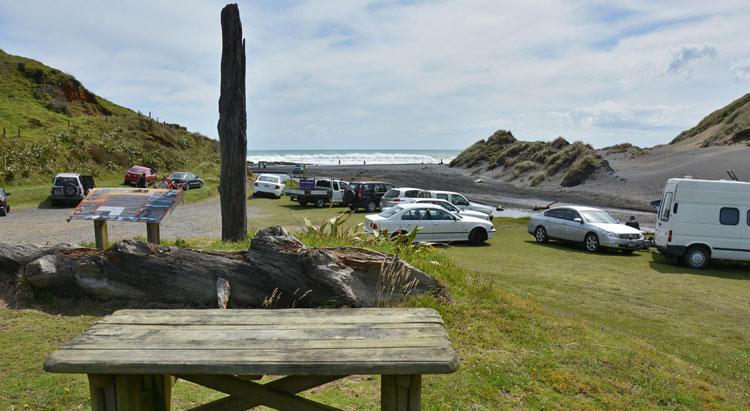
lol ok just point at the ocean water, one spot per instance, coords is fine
(351, 157)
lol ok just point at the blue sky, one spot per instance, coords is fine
(406, 74)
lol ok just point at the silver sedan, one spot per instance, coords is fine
(593, 227)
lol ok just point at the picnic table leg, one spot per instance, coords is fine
(131, 392)
(400, 392)
(100, 234)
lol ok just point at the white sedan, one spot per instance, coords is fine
(436, 224)
(269, 184)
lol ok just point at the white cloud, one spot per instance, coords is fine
(389, 74)
(741, 70)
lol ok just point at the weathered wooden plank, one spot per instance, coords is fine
(250, 344)
(415, 393)
(260, 317)
(102, 390)
(210, 328)
(388, 393)
(279, 400)
(339, 361)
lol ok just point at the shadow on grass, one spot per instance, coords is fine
(720, 269)
(578, 248)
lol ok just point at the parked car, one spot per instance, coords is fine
(400, 195)
(436, 224)
(365, 194)
(4, 205)
(70, 188)
(269, 184)
(592, 227)
(453, 209)
(318, 191)
(701, 220)
(462, 202)
(298, 169)
(188, 180)
(134, 174)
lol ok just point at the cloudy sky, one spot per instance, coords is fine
(406, 74)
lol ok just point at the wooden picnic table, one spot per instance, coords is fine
(133, 357)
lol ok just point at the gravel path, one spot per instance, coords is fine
(48, 225)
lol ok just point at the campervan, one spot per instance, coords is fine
(701, 220)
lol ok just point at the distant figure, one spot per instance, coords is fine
(633, 223)
(339, 162)
(441, 161)
(141, 181)
(364, 163)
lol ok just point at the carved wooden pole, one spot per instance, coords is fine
(232, 128)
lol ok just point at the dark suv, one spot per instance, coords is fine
(365, 194)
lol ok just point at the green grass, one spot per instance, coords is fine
(535, 326)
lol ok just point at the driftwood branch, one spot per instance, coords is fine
(276, 265)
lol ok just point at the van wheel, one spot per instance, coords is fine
(320, 203)
(591, 242)
(478, 236)
(540, 235)
(697, 257)
(371, 207)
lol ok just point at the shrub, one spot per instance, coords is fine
(537, 178)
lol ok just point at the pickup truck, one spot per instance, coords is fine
(318, 191)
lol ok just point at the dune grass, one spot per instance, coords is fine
(535, 326)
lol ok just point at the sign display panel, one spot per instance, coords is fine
(138, 205)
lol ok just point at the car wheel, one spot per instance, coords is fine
(591, 242)
(319, 203)
(53, 203)
(371, 207)
(478, 236)
(697, 257)
(303, 203)
(628, 252)
(353, 208)
(540, 235)
(3, 212)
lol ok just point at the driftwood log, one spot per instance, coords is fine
(276, 271)
(232, 128)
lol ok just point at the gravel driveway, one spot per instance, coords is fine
(48, 225)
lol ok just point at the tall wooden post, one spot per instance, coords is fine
(232, 128)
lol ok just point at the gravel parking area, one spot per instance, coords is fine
(49, 226)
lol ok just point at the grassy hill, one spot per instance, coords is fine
(535, 160)
(65, 127)
(727, 125)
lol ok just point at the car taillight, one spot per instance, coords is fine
(396, 200)
(669, 236)
(374, 226)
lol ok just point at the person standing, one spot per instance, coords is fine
(141, 181)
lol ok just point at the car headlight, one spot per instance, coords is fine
(613, 235)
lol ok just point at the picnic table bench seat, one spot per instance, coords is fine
(132, 357)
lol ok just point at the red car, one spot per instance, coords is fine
(132, 176)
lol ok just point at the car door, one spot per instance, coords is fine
(337, 195)
(416, 218)
(444, 226)
(554, 223)
(575, 231)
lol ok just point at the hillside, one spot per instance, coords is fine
(532, 162)
(53, 123)
(727, 125)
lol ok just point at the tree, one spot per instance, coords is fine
(232, 128)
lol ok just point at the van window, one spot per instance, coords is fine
(335, 186)
(424, 194)
(392, 194)
(729, 216)
(442, 196)
(666, 206)
(411, 194)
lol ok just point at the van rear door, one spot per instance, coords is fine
(664, 215)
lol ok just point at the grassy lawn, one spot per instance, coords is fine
(536, 326)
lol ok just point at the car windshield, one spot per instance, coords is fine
(597, 216)
(390, 211)
(138, 170)
(270, 179)
(61, 181)
(446, 205)
(178, 176)
(392, 194)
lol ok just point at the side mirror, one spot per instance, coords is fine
(578, 220)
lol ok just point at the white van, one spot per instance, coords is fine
(700, 220)
(461, 202)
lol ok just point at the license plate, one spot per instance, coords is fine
(631, 244)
